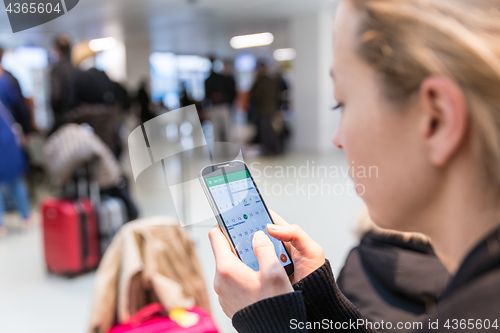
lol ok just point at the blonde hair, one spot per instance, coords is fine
(408, 40)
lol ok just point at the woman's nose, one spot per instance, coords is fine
(336, 140)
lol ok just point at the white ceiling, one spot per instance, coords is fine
(170, 25)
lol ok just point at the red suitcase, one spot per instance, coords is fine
(70, 236)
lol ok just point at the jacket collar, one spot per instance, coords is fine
(485, 257)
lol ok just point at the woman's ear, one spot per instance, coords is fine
(445, 120)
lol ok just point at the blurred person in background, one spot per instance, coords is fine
(280, 126)
(99, 102)
(92, 86)
(227, 72)
(96, 100)
(282, 90)
(62, 80)
(220, 92)
(12, 167)
(184, 98)
(392, 276)
(12, 98)
(143, 98)
(418, 84)
(264, 96)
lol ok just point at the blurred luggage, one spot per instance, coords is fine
(111, 215)
(73, 145)
(111, 211)
(149, 260)
(70, 231)
(122, 191)
(154, 319)
(70, 236)
(83, 183)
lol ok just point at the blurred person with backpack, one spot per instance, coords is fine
(97, 100)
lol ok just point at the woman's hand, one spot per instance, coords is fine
(237, 284)
(307, 255)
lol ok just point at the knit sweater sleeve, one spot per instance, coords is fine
(317, 303)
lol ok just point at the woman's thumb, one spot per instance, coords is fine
(264, 250)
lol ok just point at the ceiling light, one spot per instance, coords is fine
(284, 54)
(241, 42)
(102, 44)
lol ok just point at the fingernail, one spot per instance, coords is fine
(273, 227)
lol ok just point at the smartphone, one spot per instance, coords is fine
(240, 210)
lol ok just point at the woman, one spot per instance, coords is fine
(419, 83)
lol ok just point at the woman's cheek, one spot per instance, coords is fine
(359, 149)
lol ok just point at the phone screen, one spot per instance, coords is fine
(241, 208)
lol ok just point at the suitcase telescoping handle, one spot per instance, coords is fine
(89, 187)
(82, 214)
(83, 183)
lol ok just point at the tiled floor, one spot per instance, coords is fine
(33, 301)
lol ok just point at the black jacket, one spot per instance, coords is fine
(220, 89)
(94, 87)
(392, 279)
(471, 300)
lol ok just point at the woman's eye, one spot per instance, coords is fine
(339, 107)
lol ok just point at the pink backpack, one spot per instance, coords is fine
(150, 319)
